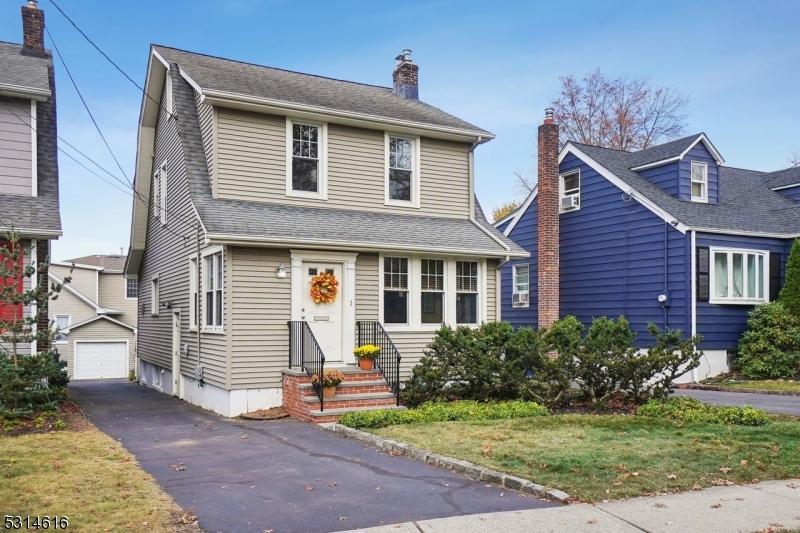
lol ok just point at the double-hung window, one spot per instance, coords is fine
(402, 173)
(131, 289)
(520, 295)
(213, 291)
(62, 323)
(570, 188)
(395, 290)
(306, 158)
(432, 291)
(739, 276)
(699, 182)
(466, 292)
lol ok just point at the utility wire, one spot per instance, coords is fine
(762, 184)
(111, 61)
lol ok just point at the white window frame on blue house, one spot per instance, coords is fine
(703, 182)
(520, 297)
(760, 290)
(565, 193)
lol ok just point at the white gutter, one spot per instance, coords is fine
(25, 92)
(745, 233)
(77, 265)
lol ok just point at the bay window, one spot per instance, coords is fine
(432, 290)
(395, 290)
(739, 276)
(466, 292)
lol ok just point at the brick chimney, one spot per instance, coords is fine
(548, 237)
(406, 77)
(33, 30)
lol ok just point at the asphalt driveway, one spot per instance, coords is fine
(771, 403)
(281, 475)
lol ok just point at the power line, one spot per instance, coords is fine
(762, 184)
(111, 61)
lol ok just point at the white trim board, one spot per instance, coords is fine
(95, 319)
(521, 210)
(700, 138)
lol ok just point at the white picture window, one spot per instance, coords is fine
(520, 296)
(570, 191)
(739, 276)
(131, 289)
(466, 292)
(395, 290)
(432, 291)
(212, 288)
(62, 322)
(194, 301)
(402, 171)
(699, 182)
(154, 297)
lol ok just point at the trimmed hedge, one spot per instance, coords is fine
(691, 410)
(443, 412)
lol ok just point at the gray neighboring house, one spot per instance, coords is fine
(255, 180)
(28, 149)
(96, 316)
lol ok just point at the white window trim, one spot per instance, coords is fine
(415, 166)
(514, 285)
(202, 292)
(155, 296)
(162, 196)
(701, 199)
(156, 194)
(729, 300)
(194, 300)
(562, 194)
(168, 92)
(34, 152)
(322, 175)
(125, 287)
(69, 323)
(414, 292)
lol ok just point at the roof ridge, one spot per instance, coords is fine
(272, 68)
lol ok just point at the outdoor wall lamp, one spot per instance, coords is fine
(167, 304)
(280, 272)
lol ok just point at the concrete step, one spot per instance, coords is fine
(339, 412)
(353, 397)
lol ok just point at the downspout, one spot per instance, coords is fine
(197, 288)
(693, 263)
(666, 283)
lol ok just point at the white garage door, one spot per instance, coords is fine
(95, 360)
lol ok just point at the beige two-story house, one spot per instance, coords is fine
(95, 314)
(253, 184)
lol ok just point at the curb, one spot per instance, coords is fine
(741, 391)
(474, 471)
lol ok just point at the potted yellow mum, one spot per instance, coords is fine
(366, 356)
(330, 380)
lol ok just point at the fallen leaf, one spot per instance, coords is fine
(621, 467)
(716, 506)
(342, 518)
(725, 469)
(776, 524)
(743, 462)
(502, 494)
(697, 487)
(672, 476)
(659, 505)
(622, 434)
(309, 487)
(722, 483)
(592, 521)
(332, 484)
(634, 474)
(244, 436)
(544, 466)
(377, 488)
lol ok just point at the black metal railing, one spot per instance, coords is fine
(388, 361)
(305, 353)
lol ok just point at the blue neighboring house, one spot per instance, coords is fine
(666, 235)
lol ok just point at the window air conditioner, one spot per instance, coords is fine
(569, 202)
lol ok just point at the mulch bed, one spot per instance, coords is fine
(266, 414)
(68, 414)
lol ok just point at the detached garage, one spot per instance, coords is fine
(100, 348)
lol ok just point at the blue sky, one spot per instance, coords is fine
(495, 64)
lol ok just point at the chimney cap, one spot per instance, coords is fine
(32, 3)
(548, 115)
(404, 57)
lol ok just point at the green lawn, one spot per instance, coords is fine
(616, 456)
(788, 386)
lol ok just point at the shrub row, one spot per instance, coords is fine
(443, 412)
(770, 347)
(691, 410)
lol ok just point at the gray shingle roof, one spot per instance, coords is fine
(266, 82)
(23, 71)
(112, 263)
(661, 152)
(746, 203)
(782, 178)
(336, 226)
(40, 214)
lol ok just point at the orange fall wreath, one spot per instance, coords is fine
(324, 288)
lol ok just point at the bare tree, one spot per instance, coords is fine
(794, 158)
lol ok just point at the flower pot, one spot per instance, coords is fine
(328, 392)
(365, 364)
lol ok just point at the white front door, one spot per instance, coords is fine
(325, 319)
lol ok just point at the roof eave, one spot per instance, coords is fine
(702, 137)
(33, 93)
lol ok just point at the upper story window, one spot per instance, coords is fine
(432, 291)
(739, 276)
(160, 193)
(155, 298)
(521, 280)
(212, 287)
(699, 182)
(466, 292)
(402, 171)
(306, 159)
(131, 288)
(570, 191)
(395, 290)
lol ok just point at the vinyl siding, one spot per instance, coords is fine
(251, 165)
(491, 290)
(112, 294)
(367, 287)
(722, 325)
(100, 330)
(260, 309)
(166, 256)
(525, 234)
(412, 346)
(700, 154)
(666, 178)
(69, 304)
(205, 114)
(16, 147)
(83, 280)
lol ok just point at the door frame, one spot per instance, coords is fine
(347, 291)
(177, 389)
(76, 342)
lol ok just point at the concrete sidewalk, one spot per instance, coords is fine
(746, 508)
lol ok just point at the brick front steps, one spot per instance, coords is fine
(362, 390)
